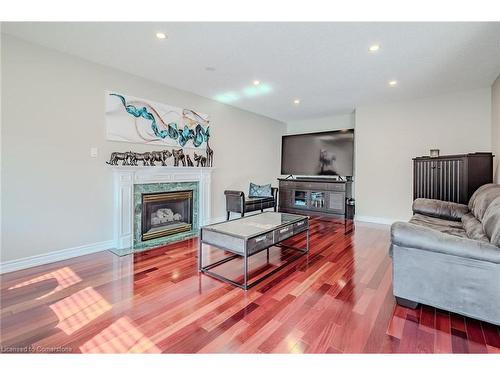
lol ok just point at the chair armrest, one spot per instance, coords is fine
(419, 237)
(234, 192)
(235, 201)
(440, 209)
(274, 192)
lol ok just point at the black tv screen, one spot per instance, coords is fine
(318, 154)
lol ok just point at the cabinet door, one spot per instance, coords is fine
(300, 198)
(317, 200)
(441, 179)
(449, 176)
(424, 177)
(285, 199)
(336, 202)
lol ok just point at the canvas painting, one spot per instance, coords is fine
(136, 120)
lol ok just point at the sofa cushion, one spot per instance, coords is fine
(482, 198)
(455, 228)
(440, 209)
(260, 190)
(491, 222)
(254, 200)
(474, 228)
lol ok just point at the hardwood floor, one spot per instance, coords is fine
(338, 299)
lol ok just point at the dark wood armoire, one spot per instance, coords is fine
(451, 178)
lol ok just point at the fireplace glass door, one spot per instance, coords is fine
(168, 213)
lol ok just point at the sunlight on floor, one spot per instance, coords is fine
(120, 337)
(292, 342)
(65, 278)
(78, 309)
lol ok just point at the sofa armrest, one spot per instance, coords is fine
(422, 238)
(440, 209)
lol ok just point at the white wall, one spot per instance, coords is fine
(495, 126)
(54, 195)
(322, 124)
(388, 136)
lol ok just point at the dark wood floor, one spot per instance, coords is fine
(336, 300)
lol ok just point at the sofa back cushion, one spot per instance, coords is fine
(491, 222)
(474, 228)
(482, 198)
(260, 190)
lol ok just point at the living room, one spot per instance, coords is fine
(231, 187)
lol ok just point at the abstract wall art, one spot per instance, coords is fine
(135, 120)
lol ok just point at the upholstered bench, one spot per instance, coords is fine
(237, 202)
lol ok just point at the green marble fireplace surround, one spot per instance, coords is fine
(140, 189)
(131, 182)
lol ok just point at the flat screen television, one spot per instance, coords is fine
(318, 154)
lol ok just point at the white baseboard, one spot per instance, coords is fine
(54, 256)
(375, 220)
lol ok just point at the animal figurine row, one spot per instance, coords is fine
(147, 158)
(150, 158)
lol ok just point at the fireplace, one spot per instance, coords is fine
(166, 213)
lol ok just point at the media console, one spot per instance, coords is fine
(314, 196)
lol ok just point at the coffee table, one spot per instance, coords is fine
(248, 236)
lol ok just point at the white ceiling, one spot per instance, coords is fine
(326, 65)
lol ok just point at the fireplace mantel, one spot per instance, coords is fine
(124, 179)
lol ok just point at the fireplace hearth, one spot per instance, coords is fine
(166, 213)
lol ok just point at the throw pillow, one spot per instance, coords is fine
(259, 190)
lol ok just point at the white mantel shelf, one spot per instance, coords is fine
(124, 179)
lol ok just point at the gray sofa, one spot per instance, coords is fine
(448, 255)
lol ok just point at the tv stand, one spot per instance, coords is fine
(314, 196)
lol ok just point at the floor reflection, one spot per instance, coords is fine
(120, 337)
(79, 309)
(65, 278)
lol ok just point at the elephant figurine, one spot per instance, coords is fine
(189, 161)
(179, 157)
(200, 160)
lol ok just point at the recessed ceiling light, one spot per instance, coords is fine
(296, 101)
(374, 48)
(256, 82)
(393, 83)
(161, 35)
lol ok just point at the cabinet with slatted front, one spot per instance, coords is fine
(452, 178)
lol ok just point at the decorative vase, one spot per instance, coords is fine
(434, 153)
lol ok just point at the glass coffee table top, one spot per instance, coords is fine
(254, 225)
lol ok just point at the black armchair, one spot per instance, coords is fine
(237, 202)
